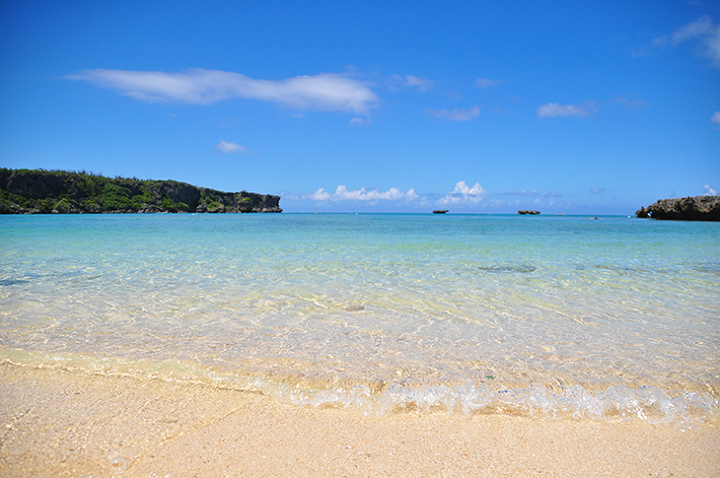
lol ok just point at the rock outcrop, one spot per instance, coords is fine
(27, 191)
(697, 208)
(528, 212)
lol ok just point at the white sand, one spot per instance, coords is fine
(63, 424)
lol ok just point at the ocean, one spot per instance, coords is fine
(551, 316)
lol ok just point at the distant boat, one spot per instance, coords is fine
(530, 212)
(440, 211)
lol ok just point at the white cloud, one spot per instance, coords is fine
(486, 83)
(462, 194)
(716, 117)
(326, 91)
(226, 147)
(343, 194)
(597, 190)
(709, 191)
(704, 30)
(360, 121)
(552, 110)
(631, 102)
(699, 28)
(421, 84)
(320, 195)
(456, 114)
(532, 192)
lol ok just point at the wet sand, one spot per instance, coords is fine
(59, 423)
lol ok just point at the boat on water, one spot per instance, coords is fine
(440, 211)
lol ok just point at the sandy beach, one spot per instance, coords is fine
(59, 423)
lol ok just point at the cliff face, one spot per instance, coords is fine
(36, 191)
(698, 208)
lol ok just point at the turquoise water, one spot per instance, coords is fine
(558, 316)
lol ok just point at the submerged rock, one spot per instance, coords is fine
(697, 208)
(354, 308)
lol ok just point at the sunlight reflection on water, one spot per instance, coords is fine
(358, 298)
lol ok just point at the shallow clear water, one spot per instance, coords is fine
(478, 314)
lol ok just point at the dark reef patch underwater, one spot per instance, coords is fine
(381, 313)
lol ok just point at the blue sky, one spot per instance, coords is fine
(489, 107)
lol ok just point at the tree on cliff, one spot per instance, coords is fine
(25, 191)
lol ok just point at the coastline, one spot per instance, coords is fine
(26, 191)
(70, 424)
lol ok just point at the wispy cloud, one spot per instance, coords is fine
(552, 110)
(703, 30)
(421, 84)
(709, 191)
(226, 147)
(360, 121)
(463, 194)
(325, 92)
(486, 83)
(700, 28)
(531, 193)
(716, 118)
(343, 194)
(597, 190)
(631, 102)
(457, 114)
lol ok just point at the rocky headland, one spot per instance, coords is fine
(697, 208)
(25, 191)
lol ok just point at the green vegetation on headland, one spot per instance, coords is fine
(26, 191)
